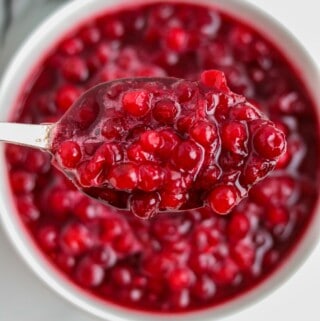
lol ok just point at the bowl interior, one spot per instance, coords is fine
(17, 74)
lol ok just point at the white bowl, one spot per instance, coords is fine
(20, 68)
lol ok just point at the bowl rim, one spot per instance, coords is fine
(33, 50)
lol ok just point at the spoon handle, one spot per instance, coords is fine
(31, 135)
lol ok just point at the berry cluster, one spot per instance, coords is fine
(156, 150)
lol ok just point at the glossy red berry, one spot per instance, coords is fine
(69, 154)
(187, 156)
(136, 102)
(22, 181)
(48, 237)
(181, 278)
(215, 79)
(204, 133)
(144, 205)
(238, 226)
(124, 176)
(269, 142)
(222, 199)
(66, 96)
(234, 137)
(165, 111)
(176, 39)
(150, 141)
(71, 46)
(75, 239)
(89, 274)
(150, 177)
(75, 70)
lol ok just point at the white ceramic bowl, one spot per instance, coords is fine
(18, 71)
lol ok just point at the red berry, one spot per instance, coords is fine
(180, 278)
(206, 239)
(113, 29)
(244, 255)
(22, 181)
(185, 90)
(75, 239)
(269, 142)
(244, 112)
(180, 299)
(37, 161)
(187, 156)
(111, 228)
(58, 202)
(255, 169)
(69, 154)
(66, 262)
(144, 205)
(234, 137)
(90, 35)
(150, 141)
(66, 96)
(238, 226)
(75, 70)
(112, 128)
(104, 256)
(165, 111)
(222, 199)
(204, 133)
(27, 208)
(71, 46)
(226, 272)
(108, 153)
(202, 262)
(209, 177)
(48, 237)
(136, 153)
(15, 154)
(85, 209)
(176, 39)
(136, 102)
(169, 140)
(87, 112)
(103, 53)
(89, 274)
(215, 79)
(172, 201)
(204, 289)
(124, 176)
(126, 244)
(277, 216)
(150, 177)
(121, 276)
(277, 191)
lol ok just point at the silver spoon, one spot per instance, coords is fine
(31, 135)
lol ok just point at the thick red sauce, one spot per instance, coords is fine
(151, 145)
(174, 262)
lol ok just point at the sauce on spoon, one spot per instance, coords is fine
(166, 144)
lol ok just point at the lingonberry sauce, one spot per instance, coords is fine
(175, 173)
(173, 262)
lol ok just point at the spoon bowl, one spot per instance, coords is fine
(153, 145)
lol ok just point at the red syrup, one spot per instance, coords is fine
(173, 262)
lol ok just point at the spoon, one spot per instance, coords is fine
(151, 145)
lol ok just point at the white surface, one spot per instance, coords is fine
(24, 298)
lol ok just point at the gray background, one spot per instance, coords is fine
(22, 295)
